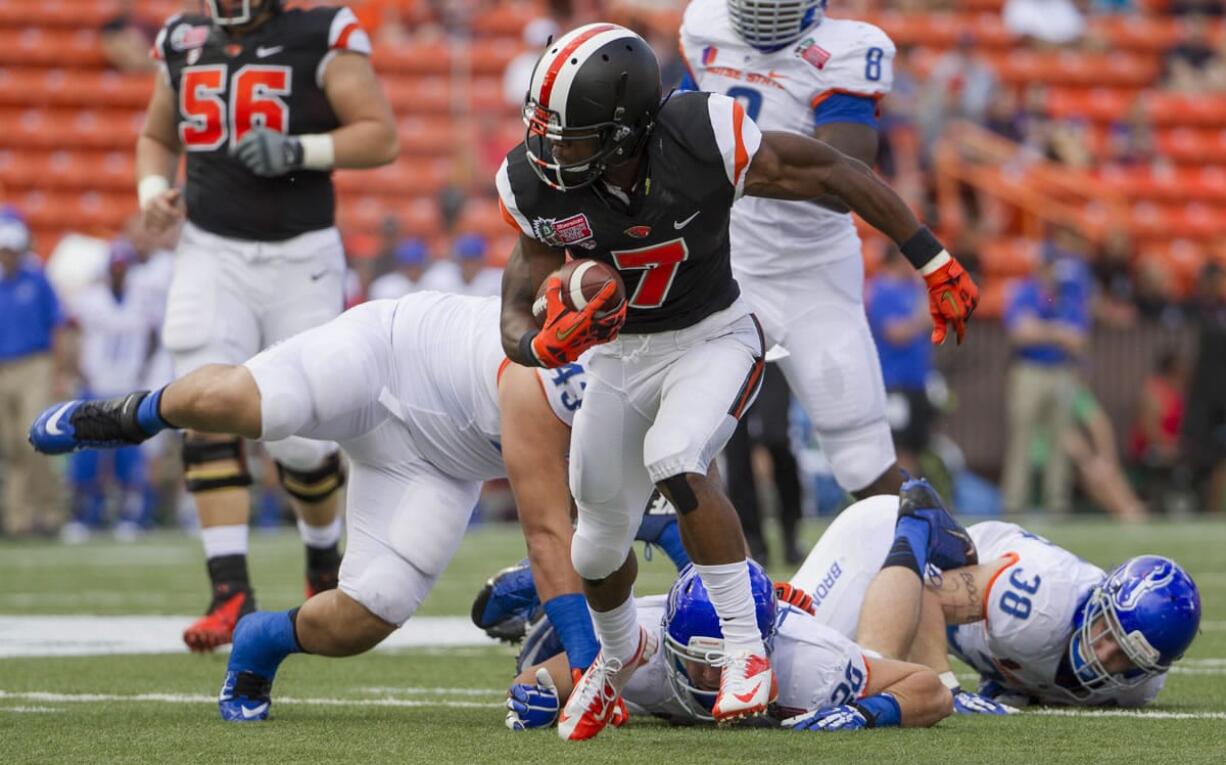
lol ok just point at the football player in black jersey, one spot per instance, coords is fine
(264, 101)
(607, 171)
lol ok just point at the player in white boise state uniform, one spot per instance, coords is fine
(421, 398)
(799, 262)
(1025, 615)
(825, 681)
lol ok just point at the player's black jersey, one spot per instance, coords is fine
(670, 243)
(226, 85)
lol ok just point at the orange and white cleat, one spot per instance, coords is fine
(596, 699)
(747, 686)
(216, 627)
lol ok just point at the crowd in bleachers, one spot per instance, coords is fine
(1012, 125)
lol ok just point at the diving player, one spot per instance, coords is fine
(426, 406)
(608, 172)
(264, 102)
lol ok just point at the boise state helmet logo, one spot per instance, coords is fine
(1131, 590)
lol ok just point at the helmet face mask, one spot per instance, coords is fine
(237, 13)
(591, 103)
(1148, 607)
(769, 25)
(693, 639)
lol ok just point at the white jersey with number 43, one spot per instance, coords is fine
(781, 91)
(1029, 606)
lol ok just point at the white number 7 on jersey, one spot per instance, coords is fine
(661, 262)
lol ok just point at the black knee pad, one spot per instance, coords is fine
(313, 485)
(199, 452)
(678, 492)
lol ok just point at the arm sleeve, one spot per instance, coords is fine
(845, 107)
(737, 137)
(864, 68)
(346, 34)
(159, 53)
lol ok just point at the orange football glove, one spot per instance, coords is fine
(795, 596)
(566, 334)
(952, 297)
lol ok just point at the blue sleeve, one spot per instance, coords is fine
(687, 82)
(883, 305)
(1021, 303)
(844, 107)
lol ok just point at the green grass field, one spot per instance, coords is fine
(442, 705)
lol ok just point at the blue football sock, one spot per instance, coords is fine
(148, 416)
(915, 532)
(262, 640)
(881, 709)
(670, 542)
(569, 616)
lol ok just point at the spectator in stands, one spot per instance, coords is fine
(411, 258)
(1090, 443)
(1153, 445)
(32, 362)
(116, 342)
(897, 306)
(1212, 8)
(1113, 296)
(1155, 294)
(127, 39)
(1046, 22)
(1068, 142)
(466, 273)
(765, 425)
(1047, 320)
(1203, 437)
(960, 86)
(1130, 142)
(1188, 65)
(1003, 116)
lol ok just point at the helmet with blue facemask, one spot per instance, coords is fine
(692, 632)
(1150, 607)
(770, 25)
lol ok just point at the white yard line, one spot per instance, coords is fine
(31, 636)
(1132, 714)
(182, 698)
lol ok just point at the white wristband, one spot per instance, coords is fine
(150, 188)
(318, 152)
(950, 680)
(941, 259)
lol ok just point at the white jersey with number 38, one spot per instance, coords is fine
(1029, 607)
(780, 91)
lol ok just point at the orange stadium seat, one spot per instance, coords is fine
(1009, 257)
(1178, 184)
(1193, 145)
(434, 58)
(1201, 109)
(506, 19)
(1120, 69)
(59, 87)
(1096, 104)
(34, 46)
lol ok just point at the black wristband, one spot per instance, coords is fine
(922, 247)
(527, 355)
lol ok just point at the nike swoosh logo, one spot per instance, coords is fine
(53, 424)
(262, 52)
(318, 276)
(563, 334)
(678, 225)
(748, 696)
(250, 713)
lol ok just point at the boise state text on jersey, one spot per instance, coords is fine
(227, 85)
(670, 244)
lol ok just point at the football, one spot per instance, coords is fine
(582, 280)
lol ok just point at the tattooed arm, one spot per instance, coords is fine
(961, 590)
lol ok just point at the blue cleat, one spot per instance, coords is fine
(245, 697)
(88, 424)
(949, 545)
(262, 640)
(506, 603)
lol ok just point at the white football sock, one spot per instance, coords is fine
(728, 586)
(618, 630)
(320, 537)
(224, 540)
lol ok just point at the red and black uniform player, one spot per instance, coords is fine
(264, 102)
(608, 172)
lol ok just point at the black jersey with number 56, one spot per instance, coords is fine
(226, 85)
(669, 239)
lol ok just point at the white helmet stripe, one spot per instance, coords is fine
(554, 74)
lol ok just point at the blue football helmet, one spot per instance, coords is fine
(692, 632)
(770, 25)
(1150, 607)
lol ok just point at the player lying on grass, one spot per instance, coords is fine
(426, 407)
(1038, 623)
(826, 682)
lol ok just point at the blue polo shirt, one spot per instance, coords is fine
(1067, 303)
(29, 313)
(904, 366)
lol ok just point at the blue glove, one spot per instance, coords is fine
(844, 717)
(967, 703)
(533, 705)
